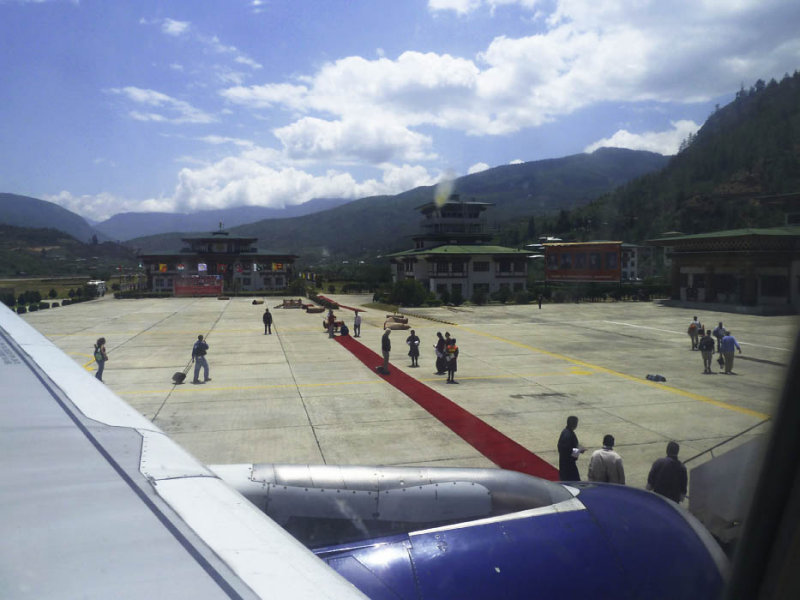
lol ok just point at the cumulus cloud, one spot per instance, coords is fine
(587, 52)
(172, 110)
(374, 141)
(102, 206)
(254, 178)
(477, 168)
(663, 142)
(258, 176)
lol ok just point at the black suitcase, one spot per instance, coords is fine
(179, 376)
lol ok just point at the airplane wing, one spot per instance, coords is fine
(97, 502)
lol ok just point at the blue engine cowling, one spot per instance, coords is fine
(608, 541)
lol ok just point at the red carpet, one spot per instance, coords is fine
(500, 449)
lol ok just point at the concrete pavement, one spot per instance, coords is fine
(298, 397)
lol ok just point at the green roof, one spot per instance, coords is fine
(783, 231)
(460, 249)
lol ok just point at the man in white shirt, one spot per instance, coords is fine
(605, 464)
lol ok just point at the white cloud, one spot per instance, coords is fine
(256, 177)
(663, 142)
(464, 7)
(372, 140)
(219, 140)
(249, 180)
(587, 52)
(460, 7)
(173, 110)
(173, 27)
(102, 206)
(516, 161)
(477, 168)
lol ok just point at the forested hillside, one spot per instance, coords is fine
(745, 151)
(26, 251)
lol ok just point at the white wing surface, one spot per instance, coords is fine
(97, 502)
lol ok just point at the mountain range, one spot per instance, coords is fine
(125, 226)
(741, 169)
(377, 225)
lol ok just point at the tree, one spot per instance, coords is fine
(297, 287)
(408, 292)
(530, 234)
(52, 293)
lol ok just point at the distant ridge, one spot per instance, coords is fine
(380, 224)
(126, 226)
(24, 211)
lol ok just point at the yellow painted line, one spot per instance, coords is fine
(88, 365)
(641, 380)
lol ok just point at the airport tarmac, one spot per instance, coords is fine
(297, 396)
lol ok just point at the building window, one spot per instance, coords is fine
(580, 260)
(518, 287)
(480, 266)
(279, 282)
(480, 287)
(457, 267)
(409, 267)
(594, 260)
(504, 266)
(456, 290)
(566, 261)
(441, 288)
(611, 260)
(246, 281)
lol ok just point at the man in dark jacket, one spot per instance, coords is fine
(199, 358)
(706, 346)
(267, 318)
(668, 475)
(386, 347)
(568, 451)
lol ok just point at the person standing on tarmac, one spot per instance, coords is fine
(386, 348)
(100, 357)
(568, 451)
(267, 318)
(706, 346)
(199, 358)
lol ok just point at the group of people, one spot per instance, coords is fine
(446, 356)
(726, 345)
(446, 353)
(667, 475)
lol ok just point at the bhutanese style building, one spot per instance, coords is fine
(217, 262)
(451, 253)
(756, 267)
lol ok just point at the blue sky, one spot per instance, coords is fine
(119, 106)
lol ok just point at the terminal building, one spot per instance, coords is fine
(214, 263)
(583, 261)
(755, 267)
(451, 253)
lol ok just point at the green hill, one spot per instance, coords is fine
(24, 211)
(30, 251)
(745, 152)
